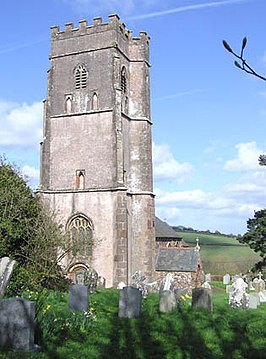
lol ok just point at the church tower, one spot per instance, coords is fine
(96, 154)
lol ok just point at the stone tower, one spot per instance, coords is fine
(96, 154)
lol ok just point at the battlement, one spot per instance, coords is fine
(97, 26)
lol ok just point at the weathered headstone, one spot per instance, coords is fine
(101, 282)
(239, 298)
(262, 296)
(129, 302)
(168, 281)
(139, 281)
(226, 279)
(206, 285)
(78, 298)
(253, 301)
(202, 298)
(17, 324)
(6, 269)
(167, 301)
(258, 283)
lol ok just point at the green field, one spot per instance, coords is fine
(222, 254)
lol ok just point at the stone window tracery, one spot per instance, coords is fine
(81, 230)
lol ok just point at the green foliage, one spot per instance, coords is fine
(186, 333)
(255, 237)
(18, 208)
(28, 235)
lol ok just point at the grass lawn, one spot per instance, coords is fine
(185, 333)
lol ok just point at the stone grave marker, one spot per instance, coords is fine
(226, 279)
(253, 301)
(258, 283)
(239, 298)
(78, 298)
(129, 302)
(17, 324)
(262, 296)
(202, 298)
(6, 269)
(167, 301)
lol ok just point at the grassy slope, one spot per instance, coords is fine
(221, 254)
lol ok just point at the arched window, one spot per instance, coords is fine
(81, 76)
(123, 80)
(80, 229)
(68, 104)
(94, 101)
(80, 179)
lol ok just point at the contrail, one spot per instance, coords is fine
(185, 8)
(23, 45)
(180, 94)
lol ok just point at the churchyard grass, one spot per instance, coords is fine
(186, 333)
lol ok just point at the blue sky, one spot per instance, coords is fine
(209, 117)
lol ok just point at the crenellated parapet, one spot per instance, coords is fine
(91, 37)
(97, 26)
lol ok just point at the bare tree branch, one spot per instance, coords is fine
(243, 64)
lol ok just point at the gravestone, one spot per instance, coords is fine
(78, 298)
(139, 281)
(226, 279)
(17, 324)
(129, 302)
(168, 281)
(101, 282)
(206, 285)
(167, 301)
(239, 298)
(253, 301)
(230, 290)
(6, 269)
(262, 296)
(258, 283)
(202, 298)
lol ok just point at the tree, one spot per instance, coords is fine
(242, 65)
(255, 237)
(28, 234)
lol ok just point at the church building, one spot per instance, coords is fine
(96, 153)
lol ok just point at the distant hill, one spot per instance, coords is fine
(190, 229)
(221, 254)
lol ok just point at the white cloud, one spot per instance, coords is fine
(246, 159)
(228, 208)
(31, 175)
(167, 168)
(30, 172)
(20, 124)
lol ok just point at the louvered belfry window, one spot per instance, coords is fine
(123, 81)
(81, 76)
